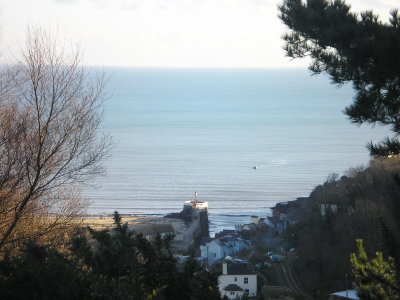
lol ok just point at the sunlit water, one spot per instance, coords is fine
(180, 131)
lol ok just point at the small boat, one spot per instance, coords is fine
(255, 167)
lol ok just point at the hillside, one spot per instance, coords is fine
(365, 203)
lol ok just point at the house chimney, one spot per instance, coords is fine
(224, 268)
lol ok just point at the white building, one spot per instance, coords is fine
(219, 248)
(236, 280)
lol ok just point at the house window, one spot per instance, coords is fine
(214, 254)
(246, 291)
(235, 279)
(232, 293)
(246, 280)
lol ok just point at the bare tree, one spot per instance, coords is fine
(50, 109)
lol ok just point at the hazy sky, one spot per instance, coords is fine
(163, 33)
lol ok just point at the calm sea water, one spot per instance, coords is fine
(181, 131)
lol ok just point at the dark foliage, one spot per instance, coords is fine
(387, 147)
(368, 207)
(105, 264)
(356, 48)
(41, 273)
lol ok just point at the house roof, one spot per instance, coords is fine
(217, 242)
(238, 269)
(233, 288)
(230, 239)
(205, 240)
(349, 294)
(274, 220)
(227, 231)
(224, 233)
(223, 240)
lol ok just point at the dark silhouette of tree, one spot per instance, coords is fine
(355, 48)
(146, 270)
(41, 273)
(108, 264)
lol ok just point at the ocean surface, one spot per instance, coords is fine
(178, 131)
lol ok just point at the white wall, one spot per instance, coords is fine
(214, 251)
(225, 280)
(204, 250)
(214, 248)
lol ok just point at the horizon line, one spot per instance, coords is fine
(199, 68)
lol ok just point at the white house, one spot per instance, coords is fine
(236, 280)
(212, 251)
(219, 248)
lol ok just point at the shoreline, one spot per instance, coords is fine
(106, 221)
(217, 221)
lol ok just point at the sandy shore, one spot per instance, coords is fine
(99, 222)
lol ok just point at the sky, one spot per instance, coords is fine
(162, 33)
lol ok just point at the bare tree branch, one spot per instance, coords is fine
(50, 109)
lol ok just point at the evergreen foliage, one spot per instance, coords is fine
(375, 278)
(355, 48)
(113, 264)
(41, 272)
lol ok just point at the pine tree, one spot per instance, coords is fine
(109, 264)
(355, 48)
(375, 278)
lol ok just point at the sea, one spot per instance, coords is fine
(243, 139)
